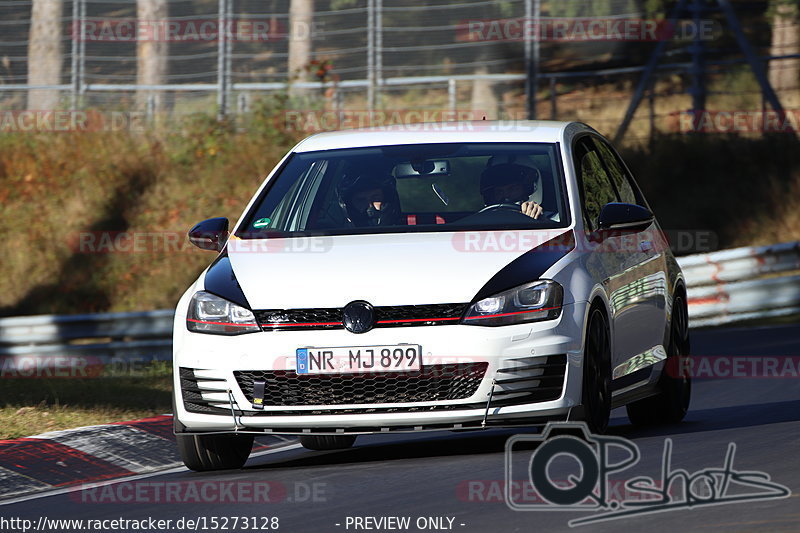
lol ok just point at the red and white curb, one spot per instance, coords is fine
(93, 454)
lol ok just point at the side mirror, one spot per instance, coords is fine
(619, 216)
(210, 234)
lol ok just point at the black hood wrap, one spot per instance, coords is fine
(220, 280)
(528, 267)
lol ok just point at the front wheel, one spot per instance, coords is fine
(597, 373)
(671, 404)
(214, 452)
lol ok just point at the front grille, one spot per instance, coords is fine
(321, 318)
(385, 316)
(418, 315)
(431, 384)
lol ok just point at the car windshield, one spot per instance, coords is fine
(421, 187)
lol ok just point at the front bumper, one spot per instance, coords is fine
(519, 361)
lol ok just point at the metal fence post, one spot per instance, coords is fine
(370, 55)
(243, 101)
(532, 12)
(528, 55)
(452, 96)
(222, 101)
(378, 50)
(77, 35)
(697, 71)
(81, 52)
(230, 39)
(150, 108)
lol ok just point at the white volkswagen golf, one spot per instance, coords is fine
(436, 277)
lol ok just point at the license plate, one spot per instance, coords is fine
(351, 359)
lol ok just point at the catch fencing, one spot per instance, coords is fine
(379, 54)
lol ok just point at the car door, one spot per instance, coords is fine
(648, 310)
(624, 261)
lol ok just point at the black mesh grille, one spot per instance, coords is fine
(322, 318)
(433, 383)
(418, 315)
(534, 379)
(386, 316)
(192, 397)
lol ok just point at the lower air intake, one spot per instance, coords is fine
(433, 383)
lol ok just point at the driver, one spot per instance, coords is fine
(512, 179)
(369, 198)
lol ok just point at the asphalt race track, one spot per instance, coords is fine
(453, 481)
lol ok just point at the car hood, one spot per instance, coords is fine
(383, 269)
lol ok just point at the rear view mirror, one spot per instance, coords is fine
(415, 169)
(620, 216)
(210, 234)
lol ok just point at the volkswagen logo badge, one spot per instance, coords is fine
(358, 316)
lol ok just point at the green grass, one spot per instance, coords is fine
(33, 406)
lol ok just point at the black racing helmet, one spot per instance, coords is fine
(365, 180)
(509, 170)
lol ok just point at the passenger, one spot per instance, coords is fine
(369, 199)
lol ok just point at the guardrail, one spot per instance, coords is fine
(742, 284)
(96, 339)
(723, 287)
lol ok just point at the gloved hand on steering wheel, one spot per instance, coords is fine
(506, 185)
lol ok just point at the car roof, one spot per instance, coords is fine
(442, 132)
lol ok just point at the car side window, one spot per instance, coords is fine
(617, 172)
(596, 188)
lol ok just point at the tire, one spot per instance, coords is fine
(214, 452)
(597, 373)
(671, 404)
(327, 442)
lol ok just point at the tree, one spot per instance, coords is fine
(44, 53)
(151, 54)
(301, 16)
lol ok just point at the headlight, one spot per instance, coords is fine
(211, 314)
(540, 300)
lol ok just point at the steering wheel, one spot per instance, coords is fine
(514, 207)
